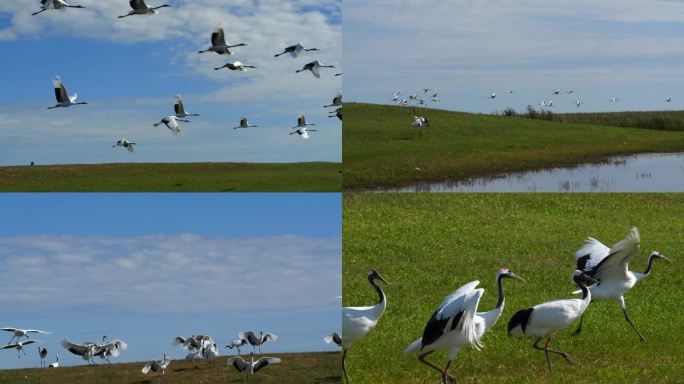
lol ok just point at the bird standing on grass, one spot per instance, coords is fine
(544, 319)
(255, 341)
(237, 343)
(610, 268)
(252, 367)
(358, 321)
(457, 324)
(42, 352)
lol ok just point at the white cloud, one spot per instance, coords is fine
(166, 274)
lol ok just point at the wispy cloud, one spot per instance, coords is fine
(168, 274)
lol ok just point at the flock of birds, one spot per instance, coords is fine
(602, 273)
(199, 347)
(219, 46)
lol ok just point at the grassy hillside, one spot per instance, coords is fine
(296, 368)
(661, 120)
(380, 147)
(185, 177)
(427, 245)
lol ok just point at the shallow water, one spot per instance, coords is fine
(651, 172)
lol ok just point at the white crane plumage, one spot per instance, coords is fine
(218, 43)
(63, 98)
(252, 367)
(333, 338)
(237, 343)
(157, 366)
(244, 123)
(86, 351)
(19, 346)
(179, 108)
(610, 267)
(255, 341)
(124, 143)
(235, 66)
(358, 321)
(457, 324)
(111, 349)
(544, 319)
(171, 123)
(140, 8)
(61, 5)
(315, 68)
(19, 333)
(295, 50)
(56, 363)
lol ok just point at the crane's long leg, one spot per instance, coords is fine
(344, 365)
(42, 10)
(632, 324)
(579, 329)
(422, 357)
(546, 350)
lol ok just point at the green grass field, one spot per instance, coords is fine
(185, 177)
(381, 149)
(660, 120)
(428, 245)
(296, 368)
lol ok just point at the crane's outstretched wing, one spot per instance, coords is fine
(615, 264)
(238, 363)
(590, 255)
(60, 90)
(269, 337)
(137, 4)
(178, 105)
(76, 349)
(9, 329)
(265, 361)
(146, 368)
(218, 38)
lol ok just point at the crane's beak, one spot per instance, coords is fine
(665, 258)
(382, 279)
(514, 276)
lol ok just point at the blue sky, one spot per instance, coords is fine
(148, 267)
(129, 70)
(627, 49)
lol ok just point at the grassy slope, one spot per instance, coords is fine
(664, 120)
(427, 245)
(199, 177)
(382, 149)
(295, 369)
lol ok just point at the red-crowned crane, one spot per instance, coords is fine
(218, 43)
(610, 267)
(457, 324)
(235, 66)
(19, 346)
(179, 108)
(295, 50)
(157, 366)
(358, 321)
(124, 143)
(46, 5)
(140, 8)
(171, 123)
(63, 98)
(544, 319)
(314, 67)
(252, 367)
(19, 333)
(255, 341)
(244, 123)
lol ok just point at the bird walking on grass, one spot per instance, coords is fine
(358, 321)
(610, 268)
(456, 324)
(543, 320)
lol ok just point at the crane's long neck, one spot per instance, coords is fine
(648, 267)
(586, 294)
(490, 317)
(382, 303)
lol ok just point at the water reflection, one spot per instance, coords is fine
(639, 173)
